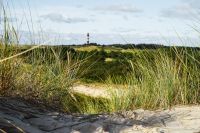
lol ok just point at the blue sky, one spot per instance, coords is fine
(108, 21)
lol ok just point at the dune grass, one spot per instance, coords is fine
(7, 48)
(41, 76)
(158, 79)
(161, 80)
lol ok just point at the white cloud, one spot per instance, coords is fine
(59, 18)
(182, 11)
(101, 38)
(120, 8)
(195, 4)
(123, 30)
(185, 10)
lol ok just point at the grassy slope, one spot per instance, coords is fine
(107, 49)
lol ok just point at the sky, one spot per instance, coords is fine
(169, 22)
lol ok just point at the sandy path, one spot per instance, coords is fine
(91, 91)
(17, 116)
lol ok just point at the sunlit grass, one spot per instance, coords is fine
(158, 78)
(162, 80)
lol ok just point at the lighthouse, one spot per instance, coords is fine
(88, 38)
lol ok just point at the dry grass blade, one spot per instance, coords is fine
(16, 55)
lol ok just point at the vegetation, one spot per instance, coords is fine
(137, 76)
(164, 79)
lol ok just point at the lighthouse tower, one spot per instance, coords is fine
(88, 38)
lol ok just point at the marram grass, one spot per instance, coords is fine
(158, 78)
